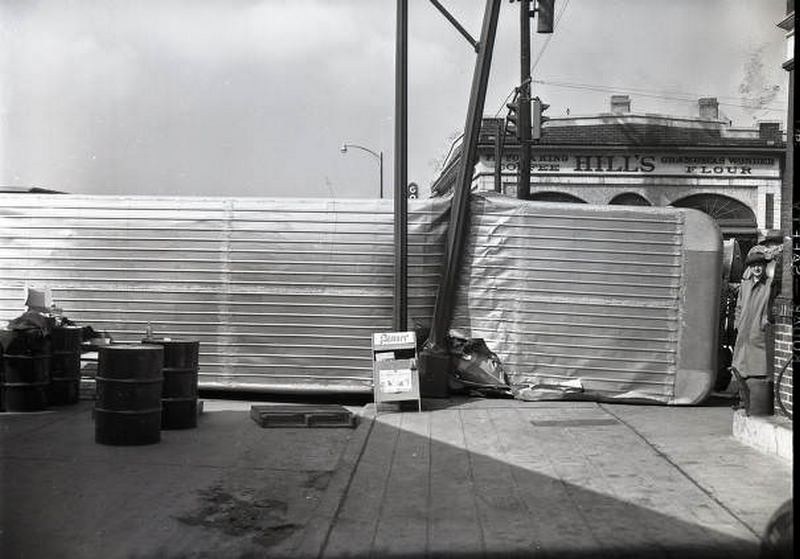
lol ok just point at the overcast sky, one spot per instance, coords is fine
(255, 97)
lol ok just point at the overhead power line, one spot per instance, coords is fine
(538, 58)
(503, 104)
(645, 93)
(549, 36)
(636, 90)
(677, 96)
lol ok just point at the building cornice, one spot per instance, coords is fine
(634, 118)
(778, 149)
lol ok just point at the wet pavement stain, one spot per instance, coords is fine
(243, 514)
(318, 480)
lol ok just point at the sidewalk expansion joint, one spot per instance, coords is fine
(341, 487)
(683, 472)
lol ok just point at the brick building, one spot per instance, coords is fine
(742, 177)
(623, 157)
(785, 311)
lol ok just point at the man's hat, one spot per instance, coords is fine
(757, 254)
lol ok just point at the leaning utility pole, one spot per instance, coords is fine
(435, 359)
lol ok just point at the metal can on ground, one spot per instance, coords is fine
(180, 392)
(128, 402)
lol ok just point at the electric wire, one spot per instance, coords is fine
(643, 93)
(676, 94)
(503, 104)
(630, 90)
(549, 37)
(538, 58)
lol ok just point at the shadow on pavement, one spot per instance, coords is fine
(528, 481)
(486, 483)
(343, 399)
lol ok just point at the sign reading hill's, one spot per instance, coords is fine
(644, 164)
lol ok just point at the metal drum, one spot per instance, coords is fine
(25, 378)
(65, 365)
(128, 403)
(179, 397)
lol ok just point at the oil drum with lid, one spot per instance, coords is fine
(179, 396)
(128, 401)
(65, 365)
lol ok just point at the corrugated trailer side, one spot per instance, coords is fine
(282, 294)
(595, 302)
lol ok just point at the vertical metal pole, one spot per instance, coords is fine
(459, 215)
(524, 182)
(499, 132)
(400, 314)
(380, 157)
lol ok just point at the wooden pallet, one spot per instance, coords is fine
(302, 415)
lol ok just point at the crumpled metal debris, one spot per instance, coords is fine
(477, 369)
(548, 390)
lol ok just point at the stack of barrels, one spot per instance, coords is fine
(142, 389)
(40, 371)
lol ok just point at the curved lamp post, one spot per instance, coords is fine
(377, 155)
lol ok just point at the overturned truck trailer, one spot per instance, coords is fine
(598, 302)
(594, 302)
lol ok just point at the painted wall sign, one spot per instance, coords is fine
(642, 164)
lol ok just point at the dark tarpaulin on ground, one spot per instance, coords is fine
(476, 369)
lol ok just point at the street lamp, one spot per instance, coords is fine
(377, 155)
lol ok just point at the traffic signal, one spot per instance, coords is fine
(544, 11)
(512, 118)
(537, 117)
(413, 190)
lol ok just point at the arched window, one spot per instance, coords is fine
(630, 199)
(556, 197)
(734, 218)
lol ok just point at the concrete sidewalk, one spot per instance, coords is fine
(464, 478)
(509, 478)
